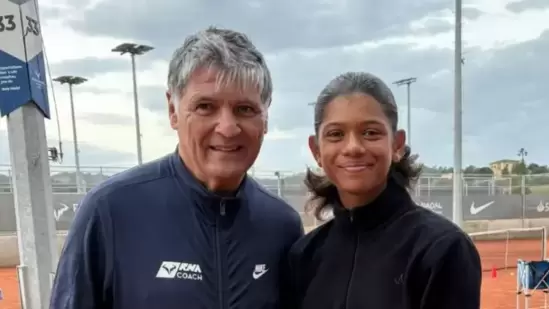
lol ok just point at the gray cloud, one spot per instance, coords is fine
(503, 100)
(50, 12)
(500, 87)
(273, 25)
(471, 13)
(90, 67)
(90, 155)
(521, 6)
(434, 26)
(153, 98)
(98, 118)
(98, 90)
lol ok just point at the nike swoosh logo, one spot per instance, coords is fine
(257, 275)
(475, 210)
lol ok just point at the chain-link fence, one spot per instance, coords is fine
(515, 196)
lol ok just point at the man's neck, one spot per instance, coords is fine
(224, 188)
(220, 186)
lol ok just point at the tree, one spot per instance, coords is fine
(538, 169)
(470, 170)
(484, 171)
(520, 169)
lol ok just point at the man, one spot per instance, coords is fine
(189, 230)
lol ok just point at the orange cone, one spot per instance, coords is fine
(494, 272)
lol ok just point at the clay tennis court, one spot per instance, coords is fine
(497, 293)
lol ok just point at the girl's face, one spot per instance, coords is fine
(356, 146)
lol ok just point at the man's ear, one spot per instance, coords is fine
(172, 109)
(315, 151)
(399, 145)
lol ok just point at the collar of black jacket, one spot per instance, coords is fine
(392, 201)
(210, 204)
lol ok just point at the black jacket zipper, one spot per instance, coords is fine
(218, 256)
(355, 256)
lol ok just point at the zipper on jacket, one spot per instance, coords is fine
(222, 208)
(355, 256)
(218, 256)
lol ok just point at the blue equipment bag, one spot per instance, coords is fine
(533, 274)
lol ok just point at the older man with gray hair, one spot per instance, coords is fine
(190, 230)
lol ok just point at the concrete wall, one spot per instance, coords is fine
(9, 253)
(491, 225)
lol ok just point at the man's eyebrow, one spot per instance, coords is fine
(247, 101)
(342, 123)
(214, 99)
(203, 98)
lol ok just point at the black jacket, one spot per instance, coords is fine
(390, 254)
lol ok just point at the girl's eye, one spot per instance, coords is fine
(334, 134)
(371, 132)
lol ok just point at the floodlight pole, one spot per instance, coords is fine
(133, 50)
(457, 192)
(408, 82)
(71, 81)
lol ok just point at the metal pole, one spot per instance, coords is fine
(33, 202)
(409, 138)
(457, 177)
(136, 107)
(24, 99)
(75, 139)
(408, 82)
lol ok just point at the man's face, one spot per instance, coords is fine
(220, 129)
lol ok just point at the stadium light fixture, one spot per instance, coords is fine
(134, 50)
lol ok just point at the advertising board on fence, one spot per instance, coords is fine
(64, 207)
(475, 207)
(490, 207)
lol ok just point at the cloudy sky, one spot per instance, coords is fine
(308, 42)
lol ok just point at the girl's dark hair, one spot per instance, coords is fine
(404, 173)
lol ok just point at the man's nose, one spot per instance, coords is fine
(227, 125)
(354, 145)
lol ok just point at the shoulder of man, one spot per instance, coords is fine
(276, 208)
(271, 202)
(119, 185)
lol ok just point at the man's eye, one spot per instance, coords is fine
(246, 110)
(204, 106)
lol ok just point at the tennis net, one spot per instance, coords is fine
(502, 248)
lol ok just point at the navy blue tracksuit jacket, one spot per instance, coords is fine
(154, 238)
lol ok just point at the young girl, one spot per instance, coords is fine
(381, 250)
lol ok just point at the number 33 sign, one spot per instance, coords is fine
(7, 23)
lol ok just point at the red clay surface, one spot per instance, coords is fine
(10, 289)
(497, 293)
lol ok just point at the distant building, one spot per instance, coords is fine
(502, 167)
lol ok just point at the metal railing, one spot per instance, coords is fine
(287, 183)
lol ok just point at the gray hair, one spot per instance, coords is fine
(404, 173)
(232, 53)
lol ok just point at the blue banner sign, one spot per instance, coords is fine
(22, 67)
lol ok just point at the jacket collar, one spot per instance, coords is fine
(209, 204)
(392, 201)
